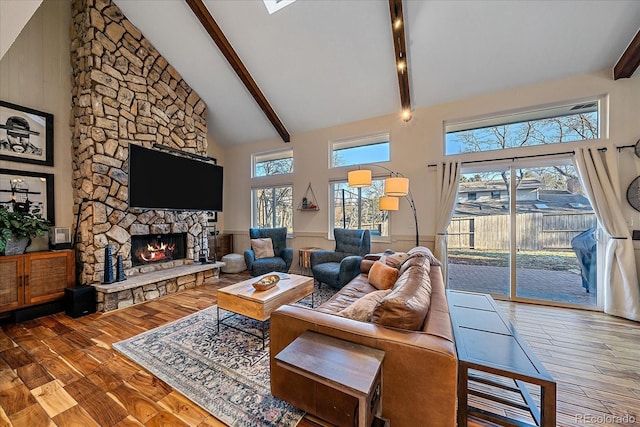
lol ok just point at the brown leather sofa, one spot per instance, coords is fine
(419, 368)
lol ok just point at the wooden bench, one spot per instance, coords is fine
(487, 342)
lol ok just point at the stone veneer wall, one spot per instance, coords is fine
(124, 91)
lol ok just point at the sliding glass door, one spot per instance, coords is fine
(479, 236)
(525, 232)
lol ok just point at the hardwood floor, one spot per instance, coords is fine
(56, 370)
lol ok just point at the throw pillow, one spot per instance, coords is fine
(362, 308)
(382, 276)
(263, 248)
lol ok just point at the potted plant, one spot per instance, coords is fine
(17, 228)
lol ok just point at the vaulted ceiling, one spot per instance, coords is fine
(321, 63)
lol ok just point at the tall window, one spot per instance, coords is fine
(358, 151)
(555, 125)
(359, 208)
(273, 163)
(273, 207)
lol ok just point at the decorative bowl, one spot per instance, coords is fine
(267, 282)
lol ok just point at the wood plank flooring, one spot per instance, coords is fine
(56, 370)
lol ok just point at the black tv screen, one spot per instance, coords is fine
(159, 180)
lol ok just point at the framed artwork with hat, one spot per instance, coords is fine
(26, 135)
(23, 191)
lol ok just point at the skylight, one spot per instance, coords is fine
(275, 5)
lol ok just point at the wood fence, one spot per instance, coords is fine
(534, 231)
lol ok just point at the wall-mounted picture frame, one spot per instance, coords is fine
(27, 191)
(26, 135)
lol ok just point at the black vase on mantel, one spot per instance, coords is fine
(120, 269)
(108, 267)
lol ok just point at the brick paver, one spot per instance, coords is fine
(560, 286)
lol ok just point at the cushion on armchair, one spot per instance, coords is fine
(263, 248)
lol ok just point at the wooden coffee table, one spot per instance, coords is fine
(244, 300)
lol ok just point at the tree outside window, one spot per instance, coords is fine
(273, 207)
(359, 208)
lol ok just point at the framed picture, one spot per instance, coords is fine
(212, 218)
(28, 191)
(26, 135)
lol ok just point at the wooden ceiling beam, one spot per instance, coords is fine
(210, 25)
(402, 64)
(629, 60)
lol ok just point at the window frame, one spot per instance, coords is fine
(359, 141)
(254, 213)
(332, 209)
(257, 158)
(535, 112)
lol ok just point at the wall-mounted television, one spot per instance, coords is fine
(161, 180)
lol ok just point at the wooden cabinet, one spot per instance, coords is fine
(223, 245)
(35, 278)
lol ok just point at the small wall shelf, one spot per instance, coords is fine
(309, 201)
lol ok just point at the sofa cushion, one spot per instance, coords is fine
(362, 309)
(381, 276)
(419, 256)
(407, 305)
(358, 287)
(263, 248)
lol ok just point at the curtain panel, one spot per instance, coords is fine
(621, 289)
(448, 178)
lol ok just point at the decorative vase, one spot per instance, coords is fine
(120, 269)
(108, 267)
(16, 246)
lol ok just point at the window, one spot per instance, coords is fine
(495, 195)
(359, 208)
(472, 196)
(358, 151)
(273, 207)
(551, 125)
(272, 163)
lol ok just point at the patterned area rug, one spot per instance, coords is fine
(226, 373)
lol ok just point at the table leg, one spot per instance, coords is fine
(463, 384)
(218, 311)
(548, 405)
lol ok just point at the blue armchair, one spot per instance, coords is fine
(283, 255)
(337, 268)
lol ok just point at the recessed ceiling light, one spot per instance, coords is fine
(275, 5)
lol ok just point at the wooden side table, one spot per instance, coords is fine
(487, 342)
(353, 369)
(304, 259)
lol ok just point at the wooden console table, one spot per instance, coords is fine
(487, 342)
(353, 369)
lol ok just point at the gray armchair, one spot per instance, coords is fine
(283, 255)
(337, 268)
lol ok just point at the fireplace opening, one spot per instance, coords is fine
(154, 248)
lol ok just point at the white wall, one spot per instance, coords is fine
(419, 143)
(35, 72)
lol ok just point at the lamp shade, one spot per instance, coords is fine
(389, 203)
(397, 186)
(359, 178)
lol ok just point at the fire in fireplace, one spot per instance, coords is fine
(149, 249)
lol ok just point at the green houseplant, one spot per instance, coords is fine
(20, 225)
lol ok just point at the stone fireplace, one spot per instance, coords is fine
(125, 92)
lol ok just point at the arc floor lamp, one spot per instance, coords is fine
(396, 185)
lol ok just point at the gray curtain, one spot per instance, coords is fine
(621, 289)
(448, 177)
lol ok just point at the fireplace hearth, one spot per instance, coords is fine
(156, 248)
